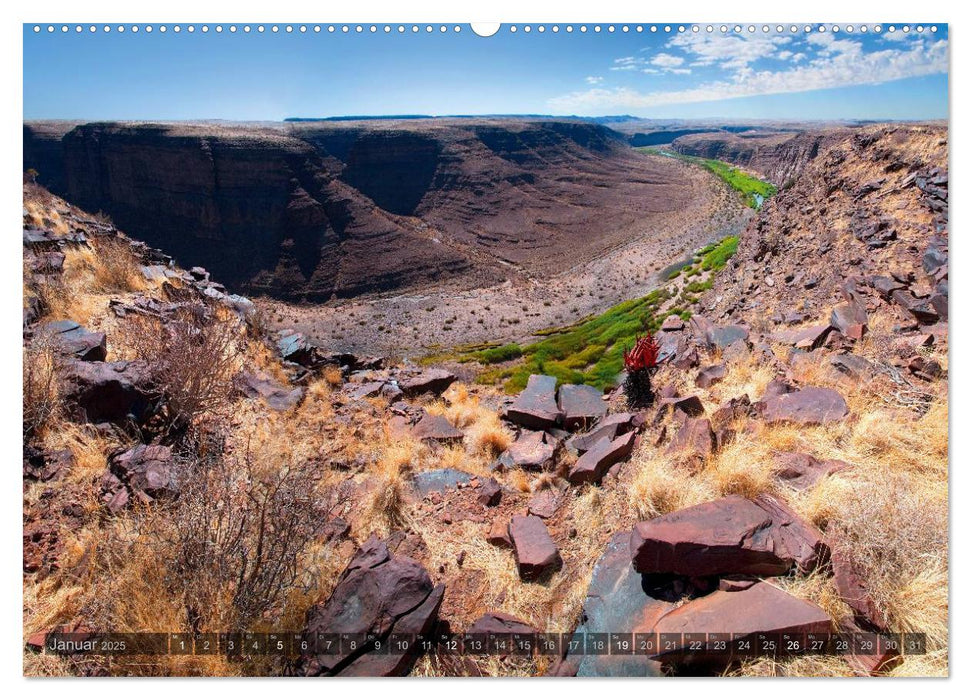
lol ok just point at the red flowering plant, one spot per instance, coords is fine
(640, 363)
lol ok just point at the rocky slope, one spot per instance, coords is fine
(310, 210)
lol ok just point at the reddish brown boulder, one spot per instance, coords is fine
(433, 381)
(758, 609)
(610, 427)
(536, 553)
(144, 472)
(688, 405)
(254, 385)
(694, 441)
(532, 450)
(114, 392)
(544, 503)
(581, 405)
(498, 535)
(378, 595)
(71, 338)
(673, 323)
(710, 376)
(809, 406)
(731, 535)
(808, 338)
(850, 319)
(536, 406)
(731, 411)
(594, 463)
(490, 493)
(436, 428)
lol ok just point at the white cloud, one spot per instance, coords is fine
(728, 50)
(666, 60)
(594, 79)
(843, 63)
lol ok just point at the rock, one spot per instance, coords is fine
(758, 609)
(723, 336)
(610, 427)
(852, 589)
(673, 323)
(925, 369)
(490, 493)
(536, 554)
(500, 624)
(885, 286)
(850, 319)
(801, 471)
(436, 428)
(618, 599)
(808, 338)
(775, 388)
(710, 376)
(498, 535)
(852, 365)
(294, 347)
(71, 338)
(439, 480)
(433, 381)
(536, 406)
(694, 442)
(44, 465)
(581, 405)
(920, 309)
(732, 410)
(254, 385)
(146, 472)
(532, 450)
(365, 391)
(688, 405)
(731, 535)
(809, 406)
(380, 595)
(543, 504)
(594, 463)
(109, 392)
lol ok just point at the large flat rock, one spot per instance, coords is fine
(536, 406)
(809, 406)
(536, 553)
(731, 535)
(581, 406)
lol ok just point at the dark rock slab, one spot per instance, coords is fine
(44, 465)
(365, 390)
(731, 535)
(594, 463)
(380, 595)
(732, 410)
(543, 504)
(618, 599)
(673, 323)
(112, 392)
(536, 553)
(71, 338)
(723, 336)
(609, 427)
(808, 338)
(436, 428)
(851, 587)
(490, 493)
(433, 381)
(581, 405)
(809, 406)
(920, 309)
(852, 365)
(694, 441)
(850, 319)
(536, 406)
(688, 405)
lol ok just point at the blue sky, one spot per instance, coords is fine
(240, 76)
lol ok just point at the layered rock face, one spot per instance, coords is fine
(309, 210)
(779, 157)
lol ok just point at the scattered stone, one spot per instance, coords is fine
(254, 385)
(850, 319)
(543, 504)
(710, 376)
(536, 554)
(809, 406)
(688, 405)
(44, 465)
(498, 535)
(731, 535)
(436, 428)
(694, 442)
(490, 493)
(594, 463)
(610, 427)
(500, 624)
(109, 392)
(71, 338)
(800, 471)
(433, 381)
(808, 338)
(532, 450)
(581, 405)
(723, 336)
(536, 406)
(380, 595)
(366, 390)
(732, 410)
(852, 589)
(852, 365)
(438, 480)
(145, 472)
(673, 323)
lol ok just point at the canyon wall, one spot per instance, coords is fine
(308, 210)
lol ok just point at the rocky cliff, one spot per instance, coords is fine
(314, 209)
(779, 157)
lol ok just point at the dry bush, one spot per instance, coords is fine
(238, 536)
(194, 359)
(116, 267)
(41, 390)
